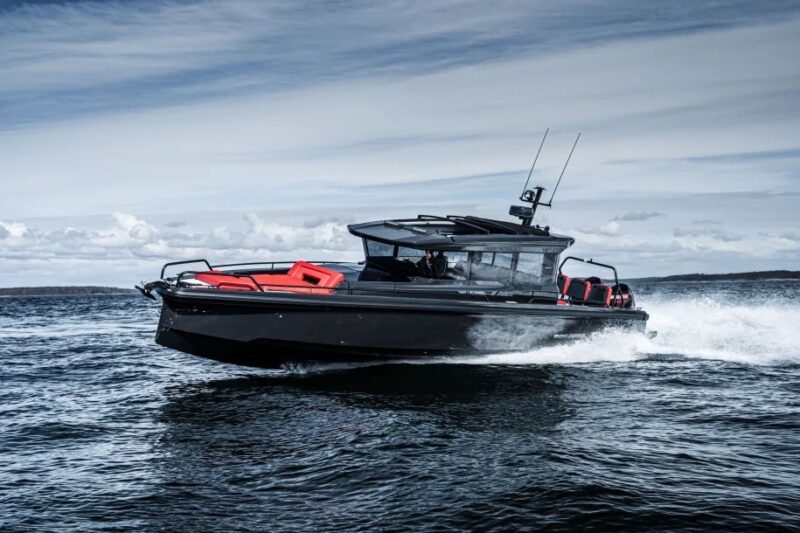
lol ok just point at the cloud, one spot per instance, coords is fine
(123, 248)
(637, 216)
(611, 228)
(82, 57)
(12, 230)
(131, 237)
(717, 234)
(665, 254)
(366, 130)
(325, 236)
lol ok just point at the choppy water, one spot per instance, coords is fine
(697, 428)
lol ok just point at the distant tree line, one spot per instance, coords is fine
(61, 291)
(738, 276)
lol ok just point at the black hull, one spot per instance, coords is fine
(270, 329)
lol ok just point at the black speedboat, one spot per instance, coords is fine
(430, 285)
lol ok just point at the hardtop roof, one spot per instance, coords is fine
(459, 232)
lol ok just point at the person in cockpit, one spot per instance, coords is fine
(439, 264)
(430, 266)
(425, 265)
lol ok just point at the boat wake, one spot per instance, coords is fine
(705, 328)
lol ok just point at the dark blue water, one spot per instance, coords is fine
(698, 428)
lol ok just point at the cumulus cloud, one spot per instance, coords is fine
(126, 248)
(130, 237)
(12, 230)
(325, 236)
(611, 228)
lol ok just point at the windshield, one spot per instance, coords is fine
(517, 268)
(508, 268)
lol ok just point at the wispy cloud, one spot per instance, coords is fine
(637, 216)
(85, 56)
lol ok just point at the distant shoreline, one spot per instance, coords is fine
(767, 275)
(67, 290)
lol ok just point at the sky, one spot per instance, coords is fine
(137, 132)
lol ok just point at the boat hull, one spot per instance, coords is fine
(270, 330)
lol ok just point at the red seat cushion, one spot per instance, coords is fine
(287, 283)
(226, 281)
(303, 278)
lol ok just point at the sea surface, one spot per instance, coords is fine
(696, 429)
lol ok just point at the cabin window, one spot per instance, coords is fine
(490, 266)
(503, 260)
(483, 258)
(529, 269)
(378, 249)
(549, 262)
(454, 258)
(457, 264)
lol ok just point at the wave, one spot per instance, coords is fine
(73, 329)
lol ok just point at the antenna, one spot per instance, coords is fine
(534, 196)
(550, 202)
(535, 159)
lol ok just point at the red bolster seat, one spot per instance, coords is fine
(563, 284)
(578, 290)
(303, 277)
(319, 276)
(600, 295)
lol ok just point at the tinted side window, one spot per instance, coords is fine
(549, 267)
(457, 264)
(529, 269)
(490, 266)
(379, 249)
